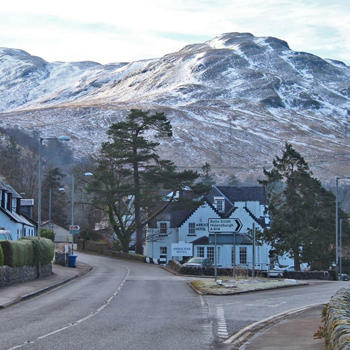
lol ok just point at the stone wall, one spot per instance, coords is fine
(308, 275)
(104, 249)
(11, 275)
(210, 271)
(338, 320)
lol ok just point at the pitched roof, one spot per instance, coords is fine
(16, 217)
(243, 194)
(14, 193)
(231, 195)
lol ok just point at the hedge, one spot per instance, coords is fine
(28, 251)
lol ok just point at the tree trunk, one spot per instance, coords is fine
(296, 260)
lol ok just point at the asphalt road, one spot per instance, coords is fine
(126, 305)
(119, 305)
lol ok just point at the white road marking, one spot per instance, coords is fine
(73, 324)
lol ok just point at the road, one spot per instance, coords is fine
(129, 305)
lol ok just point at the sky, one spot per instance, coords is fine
(110, 31)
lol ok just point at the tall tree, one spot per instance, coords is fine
(206, 176)
(302, 212)
(130, 174)
(52, 183)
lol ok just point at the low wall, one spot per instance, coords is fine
(210, 271)
(337, 320)
(11, 275)
(104, 249)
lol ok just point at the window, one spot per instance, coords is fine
(163, 250)
(191, 229)
(242, 255)
(200, 252)
(219, 205)
(210, 254)
(163, 228)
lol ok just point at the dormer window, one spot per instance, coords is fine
(163, 228)
(219, 204)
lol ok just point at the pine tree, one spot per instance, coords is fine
(207, 177)
(52, 183)
(130, 174)
(302, 212)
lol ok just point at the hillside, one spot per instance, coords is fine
(233, 102)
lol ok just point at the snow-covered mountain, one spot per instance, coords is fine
(233, 102)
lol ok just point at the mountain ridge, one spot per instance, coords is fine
(233, 102)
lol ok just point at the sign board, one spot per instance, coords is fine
(74, 229)
(224, 225)
(181, 249)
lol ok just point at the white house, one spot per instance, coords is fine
(244, 206)
(11, 217)
(62, 234)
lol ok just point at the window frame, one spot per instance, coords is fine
(163, 228)
(191, 229)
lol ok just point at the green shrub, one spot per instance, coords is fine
(27, 251)
(49, 234)
(1, 256)
(48, 250)
(44, 249)
(8, 250)
(17, 253)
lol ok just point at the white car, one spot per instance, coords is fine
(199, 262)
(276, 272)
(288, 268)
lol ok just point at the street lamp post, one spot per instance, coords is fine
(41, 139)
(72, 222)
(337, 226)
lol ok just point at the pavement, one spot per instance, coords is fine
(289, 331)
(14, 293)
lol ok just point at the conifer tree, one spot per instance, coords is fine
(130, 175)
(302, 212)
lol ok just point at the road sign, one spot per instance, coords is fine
(74, 228)
(224, 225)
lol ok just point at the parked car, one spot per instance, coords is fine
(5, 234)
(289, 268)
(199, 262)
(276, 272)
(344, 277)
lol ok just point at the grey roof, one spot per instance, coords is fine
(244, 194)
(231, 194)
(14, 193)
(2, 186)
(16, 217)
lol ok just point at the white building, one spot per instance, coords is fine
(11, 217)
(62, 234)
(246, 205)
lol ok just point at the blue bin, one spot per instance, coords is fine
(72, 259)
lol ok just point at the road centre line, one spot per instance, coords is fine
(73, 324)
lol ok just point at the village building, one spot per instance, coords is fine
(245, 207)
(11, 217)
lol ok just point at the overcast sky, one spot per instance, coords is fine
(109, 31)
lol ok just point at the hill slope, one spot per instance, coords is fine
(233, 102)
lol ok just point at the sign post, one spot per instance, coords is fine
(73, 230)
(230, 226)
